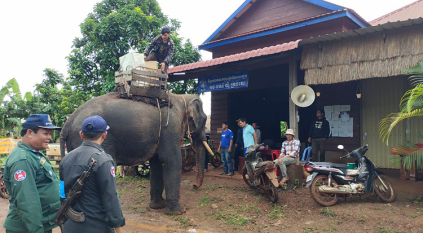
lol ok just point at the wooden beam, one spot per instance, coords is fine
(293, 109)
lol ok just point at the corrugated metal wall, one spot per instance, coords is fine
(382, 96)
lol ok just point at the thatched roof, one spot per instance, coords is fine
(380, 54)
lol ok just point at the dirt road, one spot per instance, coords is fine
(225, 204)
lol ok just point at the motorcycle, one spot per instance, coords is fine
(259, 174)
(188, 156)
(3, 190)
(329, 181)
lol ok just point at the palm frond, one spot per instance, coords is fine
(14, 85)
(416, 73)
(411, 156)
(28, 96)
(387, 124)
(412, 99)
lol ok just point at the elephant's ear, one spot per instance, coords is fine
(196, 113)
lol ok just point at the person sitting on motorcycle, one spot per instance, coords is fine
(289, 153)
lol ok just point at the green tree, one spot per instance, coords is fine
(12, 108)
(58, 102)
(114, 28)
(411, 104)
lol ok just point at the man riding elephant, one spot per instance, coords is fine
(147, 133)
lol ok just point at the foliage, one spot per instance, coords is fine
(411, 155)
(114, 28)
(12, 108)
(411, 104)
(184, 87)
(328, 212)
(276, 213)
(58, 103)
(48, 98)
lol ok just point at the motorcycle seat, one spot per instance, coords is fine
(327, 164)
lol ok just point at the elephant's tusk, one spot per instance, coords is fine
(208, 148)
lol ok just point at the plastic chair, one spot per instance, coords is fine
(307, 153)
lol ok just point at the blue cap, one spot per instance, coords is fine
(97, 122)
(40, 121)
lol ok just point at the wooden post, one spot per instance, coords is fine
(293, 109)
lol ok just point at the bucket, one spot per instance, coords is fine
(351, 166)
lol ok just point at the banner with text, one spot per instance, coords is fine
(223, 82)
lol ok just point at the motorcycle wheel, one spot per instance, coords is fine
(246, 180)
(3, 190)
(143, 170)
(387, 194)
(270, 189)
(324, 199)
(216, 160)
(187, 160)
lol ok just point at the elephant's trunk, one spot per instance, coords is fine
(201, 156)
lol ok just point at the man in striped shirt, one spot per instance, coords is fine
(289, 154)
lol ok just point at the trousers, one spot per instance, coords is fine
(318, 147)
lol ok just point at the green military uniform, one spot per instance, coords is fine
(34, 191)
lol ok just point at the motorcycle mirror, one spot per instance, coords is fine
(341, 147)
(364, 136)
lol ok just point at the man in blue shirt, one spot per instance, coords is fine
(248, 134)
(225, 147)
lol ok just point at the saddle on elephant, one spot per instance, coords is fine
(141, 81)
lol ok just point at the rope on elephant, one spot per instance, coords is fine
(189, 131)
(168, 109)
(160, 120)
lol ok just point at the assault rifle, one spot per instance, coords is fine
(66, 210)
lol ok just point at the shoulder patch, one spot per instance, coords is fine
(42, 160)
(113, 171)
(20, 175)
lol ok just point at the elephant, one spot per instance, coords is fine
(141, 132)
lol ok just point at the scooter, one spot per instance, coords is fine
(329, 181)
(259, 174)
(3, 190)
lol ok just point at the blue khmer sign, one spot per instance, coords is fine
(223, 82)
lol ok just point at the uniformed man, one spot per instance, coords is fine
(99, 200)
(31, 181)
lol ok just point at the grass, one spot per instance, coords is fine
(231, 217)
(362, 218)
(181, 220)
(310, 229)
(3, 158)
(330, 229)
(419, 213)
(328, 212)
(276, 213)
(205, 201)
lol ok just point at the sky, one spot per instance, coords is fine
(38, 34)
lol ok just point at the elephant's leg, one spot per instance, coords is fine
(170, 154)
(156, 184)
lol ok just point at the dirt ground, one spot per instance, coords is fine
(226, 204)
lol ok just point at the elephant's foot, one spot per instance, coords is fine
(174, 208)
(170, 212)
(160, 204)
